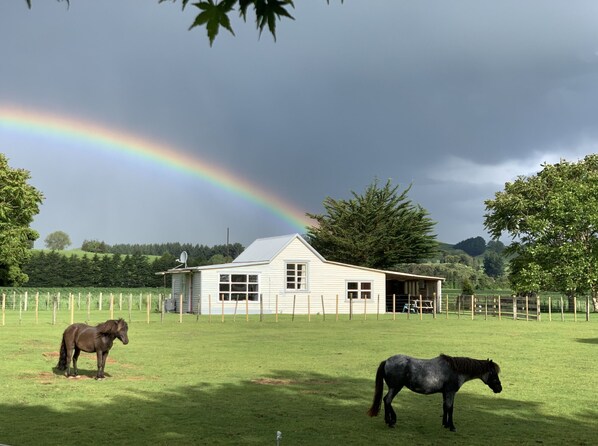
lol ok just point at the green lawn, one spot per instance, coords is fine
(238, 383)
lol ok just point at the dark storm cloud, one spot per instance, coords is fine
(456, 97)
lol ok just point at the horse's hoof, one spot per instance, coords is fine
(453, 429)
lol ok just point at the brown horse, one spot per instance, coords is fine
(83, 337)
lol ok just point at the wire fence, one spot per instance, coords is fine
(57, 307)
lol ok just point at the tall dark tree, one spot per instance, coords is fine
(379, 229)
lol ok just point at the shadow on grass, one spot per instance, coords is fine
(81, 373)
(588, 341)
(308, 408)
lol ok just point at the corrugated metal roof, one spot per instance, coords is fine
(264, 249)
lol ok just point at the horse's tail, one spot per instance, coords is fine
(375, 409)
(62, 359)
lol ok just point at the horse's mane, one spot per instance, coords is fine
(470, 366)
(109, 327)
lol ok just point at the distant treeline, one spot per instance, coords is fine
(53, 269)
(197, 254)
(125, 266)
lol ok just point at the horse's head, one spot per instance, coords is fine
(122, 330)
(491, 378)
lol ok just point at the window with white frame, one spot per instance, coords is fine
(235, 287)
(296, 276)
(359, 290)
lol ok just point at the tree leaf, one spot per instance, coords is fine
(267, 12)
(213, 16)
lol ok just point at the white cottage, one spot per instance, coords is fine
(287, 275)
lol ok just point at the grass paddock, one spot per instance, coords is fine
(200, 382)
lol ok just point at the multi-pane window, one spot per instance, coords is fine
(359, 290)
(236, 287)
(296, 277)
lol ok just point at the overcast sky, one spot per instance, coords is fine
(454, 97)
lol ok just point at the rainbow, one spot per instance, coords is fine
(105, 139)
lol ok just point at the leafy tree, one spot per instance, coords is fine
(466, 288)
(494, 264)
(95, 246)
(495, 246)
(473, 246)
(215, 14)
(552, 217)
(19, 203)
(378, 229)
(57, 240)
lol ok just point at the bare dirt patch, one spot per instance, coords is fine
(274, 381)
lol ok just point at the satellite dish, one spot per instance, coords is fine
(183, 258)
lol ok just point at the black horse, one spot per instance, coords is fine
(83, 337)
(444, 374)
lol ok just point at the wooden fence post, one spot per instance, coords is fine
(261, 307)
(276, 308)
(293, 315)
(562, 310)
(89, 307)
(323, 307)
(472, 306)
(246, 309)
(408, 305)
(514, 308)
(222, 307)
(100, 302)
(575, 308)
(148, 304)
(36, 307)
(587, 308)
(3, 309)
(337, 307)
(72, 305)
(111, 306)
(394, 307)
(308, 308)
(130, 306)
(181, 308)
(549, 308)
